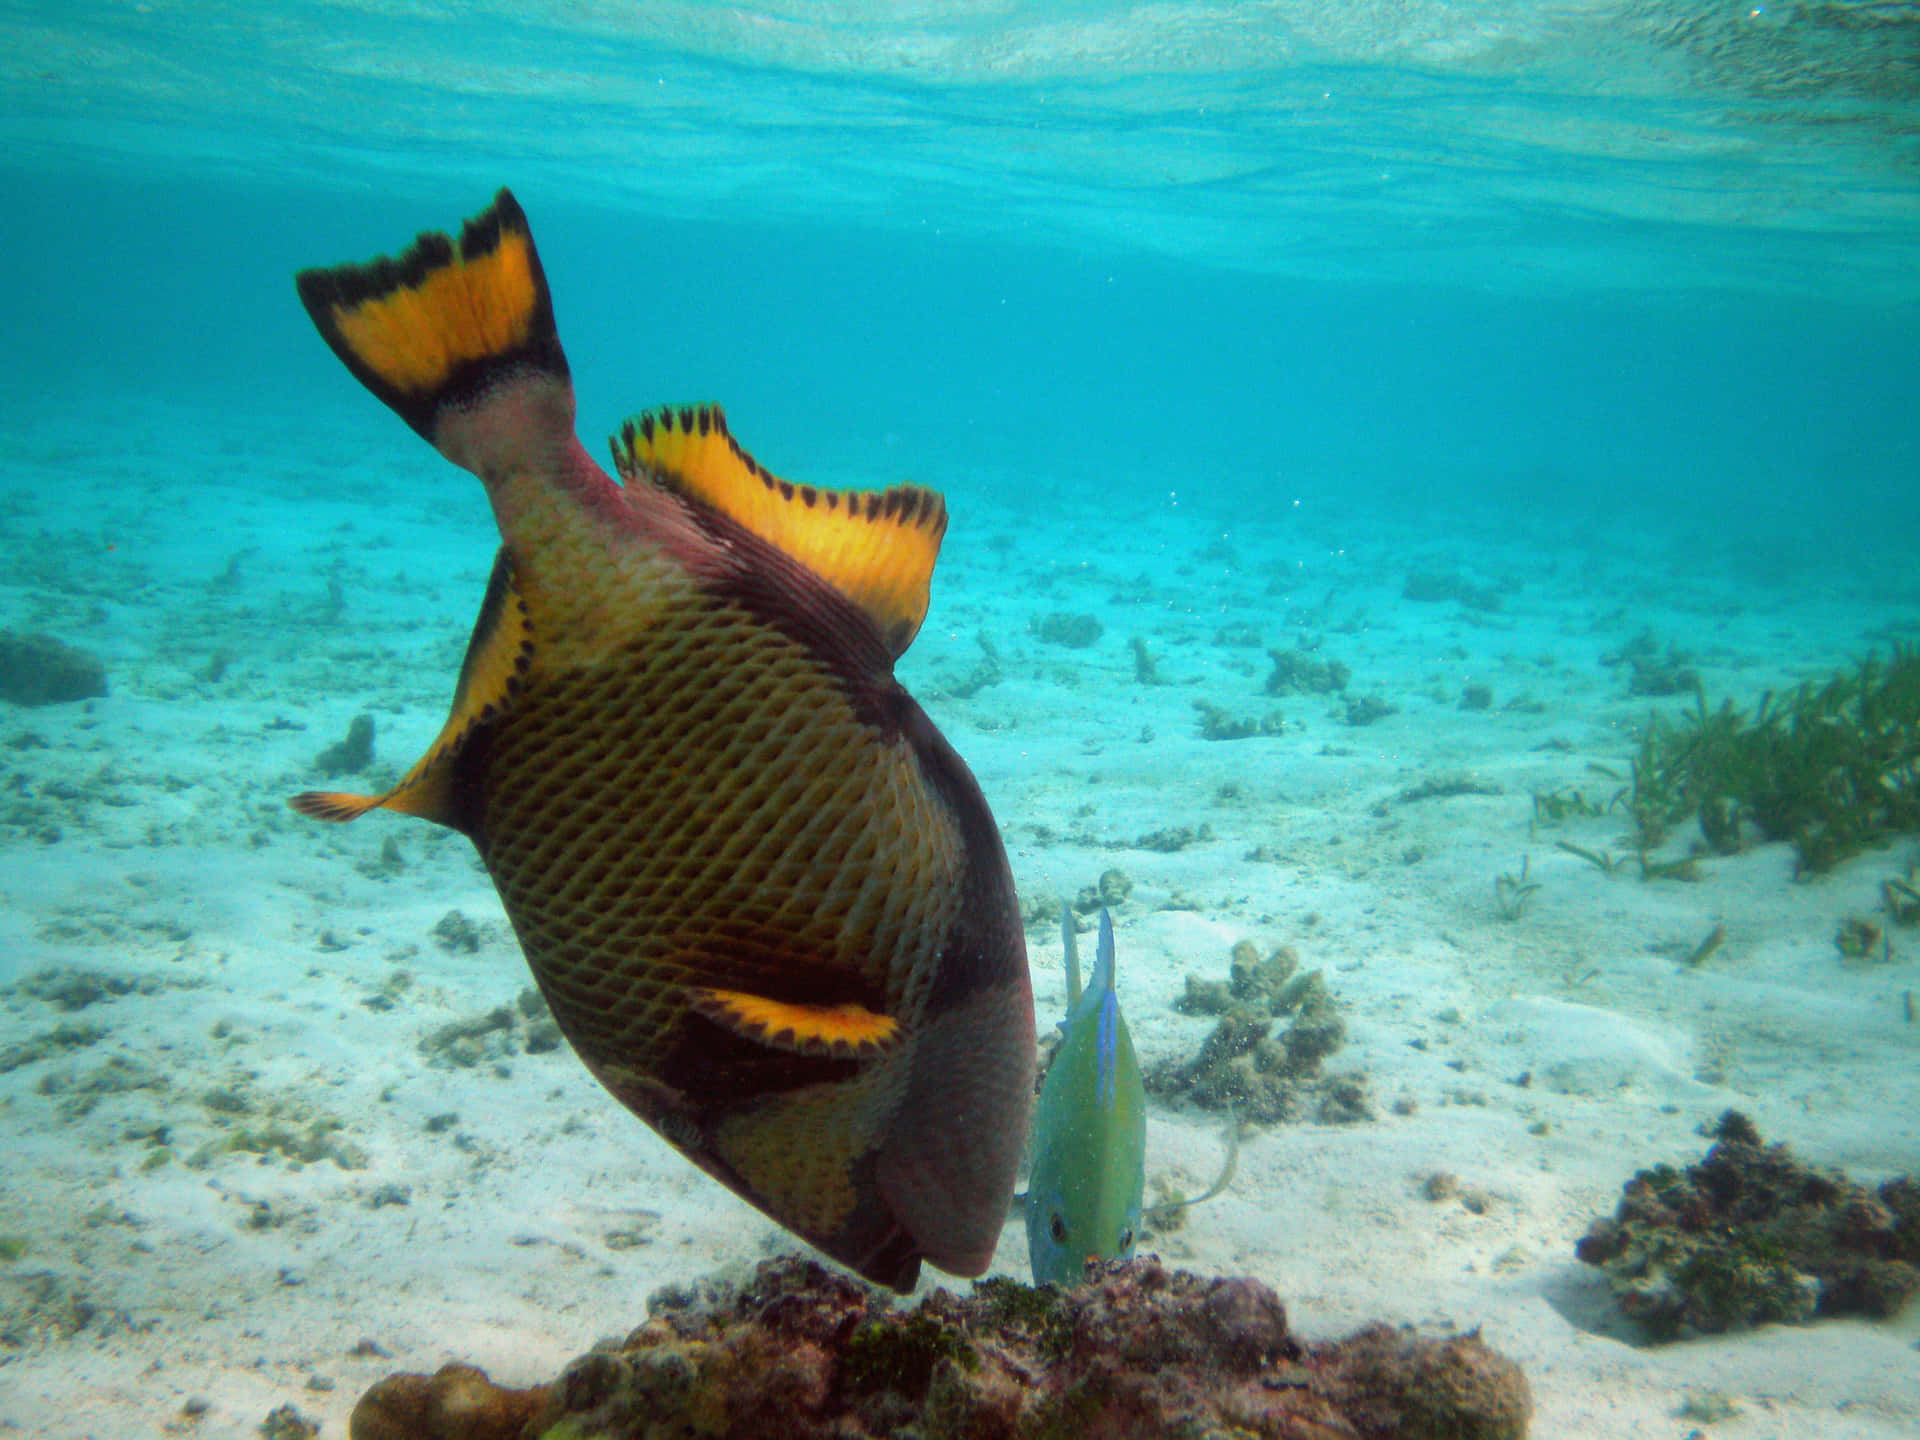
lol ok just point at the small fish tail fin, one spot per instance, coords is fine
(1104, 981)
(1070, 946)
(448, 327)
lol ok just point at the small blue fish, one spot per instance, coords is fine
(1089, 1130)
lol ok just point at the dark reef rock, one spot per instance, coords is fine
(1076, 632)
(1649, 672)
(1438, 587)
(1366, 709)
(1295, 672)
(1751, 1235)
(1220, 724)
(351, 755)
(806, 1353)
(40, 670)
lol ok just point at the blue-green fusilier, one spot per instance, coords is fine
(1089, 1130)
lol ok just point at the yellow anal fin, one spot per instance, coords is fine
(445, 320)
(876, 547)
(850, 1032)
(498, 656)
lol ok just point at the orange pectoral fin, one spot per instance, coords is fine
(849, 1032)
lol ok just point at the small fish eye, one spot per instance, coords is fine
(1058, 1229)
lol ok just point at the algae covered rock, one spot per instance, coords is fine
(1752, 1236)
(456, 1403)
(805, 1352)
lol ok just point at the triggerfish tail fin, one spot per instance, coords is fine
(447, 321)
(438, 786)
(876, 547)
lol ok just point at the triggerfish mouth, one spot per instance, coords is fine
(763, 896)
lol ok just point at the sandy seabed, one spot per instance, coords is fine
(236, 1178)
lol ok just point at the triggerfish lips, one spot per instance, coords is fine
(762, 894)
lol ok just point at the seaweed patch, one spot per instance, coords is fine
(1833, 767)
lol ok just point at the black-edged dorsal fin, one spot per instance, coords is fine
(498, 655)
(876, 547)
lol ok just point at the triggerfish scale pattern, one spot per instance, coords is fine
(1085, 1190)
(762, 894)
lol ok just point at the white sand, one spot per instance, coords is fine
(539, 1219)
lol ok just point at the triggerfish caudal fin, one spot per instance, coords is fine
(446, 321)
(1087, 1183)
(764, 898)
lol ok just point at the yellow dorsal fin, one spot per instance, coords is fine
(849, 1032)
(497, 659)
(876, 547)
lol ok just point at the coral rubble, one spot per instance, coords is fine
(1751, 1235)
(1243, 1067)
(804, 1352)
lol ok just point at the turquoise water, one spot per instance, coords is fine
(1662, 254)
(1217, 323)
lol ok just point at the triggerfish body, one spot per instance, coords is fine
(762, 895)
(1089, 1172)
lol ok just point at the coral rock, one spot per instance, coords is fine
(1752, 1236)
(1454, 1390)
(1136, 1350)
(457, 1403)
